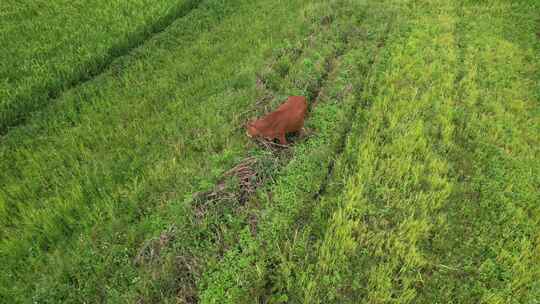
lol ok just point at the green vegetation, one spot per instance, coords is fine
(81, 179)
(417, 181)
(49, 46)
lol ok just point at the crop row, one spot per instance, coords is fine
(372, 247)
(261, 267)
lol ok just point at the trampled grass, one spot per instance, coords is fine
(417, 182)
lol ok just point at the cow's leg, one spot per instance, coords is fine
(282, 139)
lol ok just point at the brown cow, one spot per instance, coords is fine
(288, 118)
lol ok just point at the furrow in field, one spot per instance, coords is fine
(360, 87)
(374, 247)
(440, 207)
(50, 47)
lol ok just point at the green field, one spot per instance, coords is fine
(50, 46)
(126, 175)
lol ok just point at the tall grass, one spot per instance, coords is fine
(440, 207)
(399, 220)
(81, 177)
(489, 247)
(418, 181)
(373, 246)
(48, 46)
(261, 268)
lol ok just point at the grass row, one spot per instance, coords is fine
(82, 178)
(49, 46)
(261, 267)
(210, 228)
(373, 246)
(211, 231)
